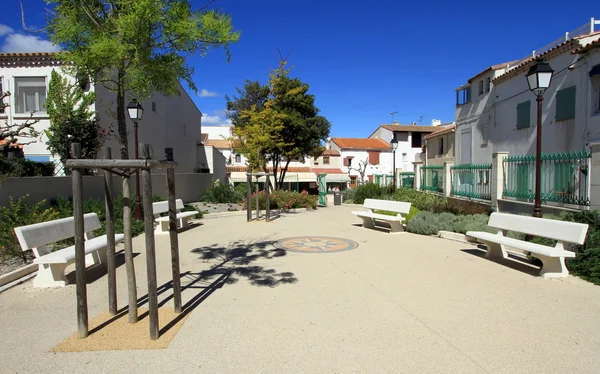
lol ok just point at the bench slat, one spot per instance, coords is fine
(179, 215)
(390, 206)
(520, 244)
(571, 232)
(162, 207)
(66, 255)
(382, 217)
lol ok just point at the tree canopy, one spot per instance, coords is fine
(137, 46)
(277, 122)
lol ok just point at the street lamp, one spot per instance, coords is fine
(394, 144)
(136, 111)
(538, 79)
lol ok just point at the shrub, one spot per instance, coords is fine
(462, 207)
(587, 262)
(418, 199)
(222, 193)
(20, 213)
(20, 167)
(428, 223)
(348, 195)
(370, 191)
(413, 211)
(284, 200)
(476, 222)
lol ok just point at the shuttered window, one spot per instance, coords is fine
(374, 158)
(524, 114)
(565, 103)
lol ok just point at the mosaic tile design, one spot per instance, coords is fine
(315, 244)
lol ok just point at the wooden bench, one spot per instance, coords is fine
(39, 236)
(553, 258)
(162, 207)
(370, 218)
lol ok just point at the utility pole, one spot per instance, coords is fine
(392, 114)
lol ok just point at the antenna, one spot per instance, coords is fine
(421, 120)
(392, 114)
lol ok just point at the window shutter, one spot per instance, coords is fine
(374, 158)
(524, 114)
(565, 103)
(345, 161)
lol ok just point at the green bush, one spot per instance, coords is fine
(475, 222)
(20, 167)
(348, 195)
(413, 212)
(587, 262)
(20, 213)
(284, 200)
(370, 191)
(418, 199)
(428, 223)
(223, 193)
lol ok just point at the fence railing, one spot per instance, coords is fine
(290, 183)
(432, 178)
(471, 180)
(407, 179)
(564, 177)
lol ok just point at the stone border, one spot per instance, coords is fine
(243, 213)
(456, 237)
(17, 276)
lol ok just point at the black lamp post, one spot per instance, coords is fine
(136, 111)
(394, 144)
(538, 79)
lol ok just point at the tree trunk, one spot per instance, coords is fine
(282, 175)
(121, 119)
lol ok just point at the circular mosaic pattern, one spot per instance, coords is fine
(315, 244)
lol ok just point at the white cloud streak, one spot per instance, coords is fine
(5, 30)
(206, 93)
(16, 42)
(215, 120)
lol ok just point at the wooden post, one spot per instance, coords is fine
(110, 238)
(173, 234)
(249, 198)
(267, 192)
(81, 289)
(150, 249)
(257, 201)
(131, 283)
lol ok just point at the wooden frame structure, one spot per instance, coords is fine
(249, 196)
(125, 168)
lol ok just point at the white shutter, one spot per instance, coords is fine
(465, 147)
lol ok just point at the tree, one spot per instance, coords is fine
(137, 46)
(361, 169)
(277, 122)
(71, 120)
(11, 133)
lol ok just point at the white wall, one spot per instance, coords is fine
(405, 153)
(384, 167)
(217, 132)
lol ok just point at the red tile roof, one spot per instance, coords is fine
(587, 47)
(361, 143)
(492, 68)
(290, 169)
(442, 131)
(29, 59)
(327, 171)
(13, 145)
(203, 138)
(330, 152)
(219, 143)
(411, 128)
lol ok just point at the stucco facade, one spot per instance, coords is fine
(408, 147)
(439, 146)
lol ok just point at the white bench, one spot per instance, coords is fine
(370, 218)
(37, 237)
(162, 207)
(553, 258)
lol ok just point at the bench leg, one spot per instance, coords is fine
(50, 275)
(96, 258)
(368, 222)
(184, 222)
(553, 267)
(162, 227)
(396, 226)
(494, 250)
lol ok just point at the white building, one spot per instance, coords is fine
(410, 141)
(376, 153)
(496, 112)
(172, 121)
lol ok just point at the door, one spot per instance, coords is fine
(322, 189)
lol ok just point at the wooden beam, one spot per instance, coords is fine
(110, 238)
(249, 198)
(120, 164)
(173, 234)
(129, 265)
(80, 287)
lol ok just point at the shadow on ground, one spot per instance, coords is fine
(95, 272)
(237, 258)
(514, 262)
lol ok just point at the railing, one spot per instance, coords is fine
(471, 180)
(290, 183)
(564, 177)
(432, 178)
(407, 179)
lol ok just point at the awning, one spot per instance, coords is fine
(338, 178)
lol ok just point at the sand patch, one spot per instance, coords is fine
(112, 333)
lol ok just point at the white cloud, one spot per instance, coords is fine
(215, 120)
(206, 93)
(5, 30)
(14, 42)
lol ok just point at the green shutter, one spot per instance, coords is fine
(565, 103)
(524, 114)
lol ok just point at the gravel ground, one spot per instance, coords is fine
(217, 208)
(9, 264)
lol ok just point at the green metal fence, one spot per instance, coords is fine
(432, 178)
(471, 180)
(564, 177)
(407, 179)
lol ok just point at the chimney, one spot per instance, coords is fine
(414, 124)
(436, 122)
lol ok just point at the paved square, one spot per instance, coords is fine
(396, 303)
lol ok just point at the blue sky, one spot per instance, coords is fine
(362, 60)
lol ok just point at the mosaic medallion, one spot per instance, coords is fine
(315, 244)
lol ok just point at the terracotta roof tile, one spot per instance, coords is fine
(29, 59)
(444, 130)
(219, 143)
(587, 47)
(492, 68)
(412, 128)
(203, 138)
(327, 171)
(361, 143)
(290, 169)
(330, 152)
(13, 145)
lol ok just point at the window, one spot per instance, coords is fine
(416, 140)
(373, 158)
(463, 96)
(348, 161)
(238, 158)
(524, 115)
(595, 96)
(2, 102)
(326, 160)
(441, 143)
(565, 103)
(30, 94)
(404, 157)
(154, 106)
(488, 85)
(481, 87)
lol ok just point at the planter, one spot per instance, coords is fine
(17, 274)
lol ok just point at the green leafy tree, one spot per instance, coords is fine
(22, 132)
(137, 46)
(71, 119)
(277, 122)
